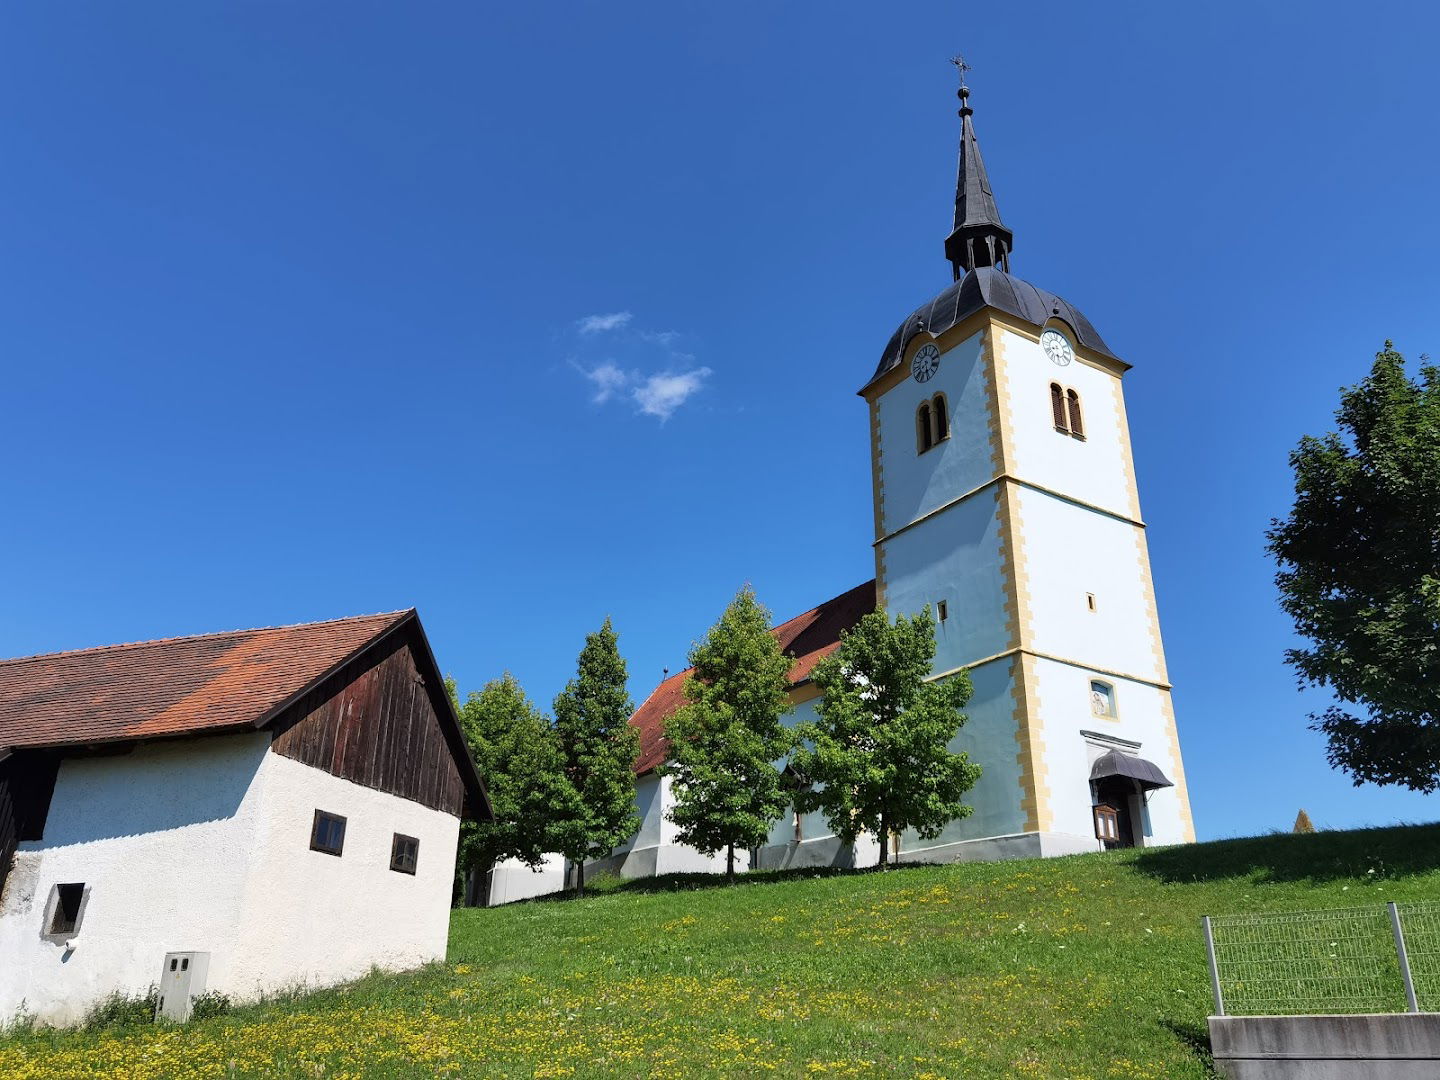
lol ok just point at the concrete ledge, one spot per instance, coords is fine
(1382, 1046)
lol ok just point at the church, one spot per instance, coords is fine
(1005, 498)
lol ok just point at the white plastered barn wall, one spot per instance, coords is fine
(204, 845)
(163, 837)
(317, 919)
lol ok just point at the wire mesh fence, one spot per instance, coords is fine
(1341, 960)
(1421, 922)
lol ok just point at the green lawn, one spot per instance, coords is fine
(1089, 966)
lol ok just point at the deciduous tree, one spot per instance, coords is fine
(592, 718)
(518, 755)
(726, 738)
(1359, 559)
(877, 757)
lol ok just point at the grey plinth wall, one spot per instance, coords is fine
(1388, 1046)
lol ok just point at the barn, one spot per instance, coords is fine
(258, 809)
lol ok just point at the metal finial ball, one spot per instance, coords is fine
(963, 93)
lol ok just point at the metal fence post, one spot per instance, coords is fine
(1215, 970)
(1412, 1005)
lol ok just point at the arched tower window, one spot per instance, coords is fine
(941, 416)
(1077, 426)
(1057, 407)
(924, 436)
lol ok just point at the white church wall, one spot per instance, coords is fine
(1063, 712)
(1069, 551)
(916, 484)
(656, 848)
(316, 919)
(163, 837)
(1097, 470)
(988, 737)
(953, 556)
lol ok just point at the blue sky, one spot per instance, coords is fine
(527, 315)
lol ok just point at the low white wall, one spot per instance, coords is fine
(204, 845)
(512, 880)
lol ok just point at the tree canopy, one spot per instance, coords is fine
(877, 757)
(518, 756)
(592, 719)
(1359, 558)
(727, 737)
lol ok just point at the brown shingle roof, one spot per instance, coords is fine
(176, 686)
(809, 638)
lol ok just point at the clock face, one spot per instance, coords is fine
(1057, 347)
(926, 363)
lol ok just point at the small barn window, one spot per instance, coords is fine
(924, 436)
(1077, 426)
(404, 850)
(67, 905)
(1057, 408)
(328, 833)
(1102, 698)
(941, 417)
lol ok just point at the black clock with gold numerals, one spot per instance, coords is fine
(925, 363)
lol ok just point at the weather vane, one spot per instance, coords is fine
(961, 66)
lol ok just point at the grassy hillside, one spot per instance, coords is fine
(1090, 966)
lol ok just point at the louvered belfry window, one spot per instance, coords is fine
(942, 417)
(1057, 407)
(924, 436)
(1077, 427)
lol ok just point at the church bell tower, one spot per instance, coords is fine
(1005, 498)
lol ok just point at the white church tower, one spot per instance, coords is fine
(1005, 498)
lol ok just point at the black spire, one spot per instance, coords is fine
(979, 238)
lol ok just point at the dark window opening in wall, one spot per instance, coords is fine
(328, 833)
(404, 851)
(65, 903)
(941, 416)
(924, 437)
(1090, 601)
(942, 611)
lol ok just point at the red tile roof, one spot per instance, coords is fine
(809, 638)
(176, 686)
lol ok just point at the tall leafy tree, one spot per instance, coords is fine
(877, 757)
(518, 755)
(1359, 559)
(592, 718)
(726, 738)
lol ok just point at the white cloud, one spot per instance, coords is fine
(608, 379)
(661, 394)
(664, 338)
(598, 324)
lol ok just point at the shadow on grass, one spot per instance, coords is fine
(610, 885)
(1196, 1038)
(1323, 856)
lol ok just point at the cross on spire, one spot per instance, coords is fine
(961, 66)
(979, 238)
